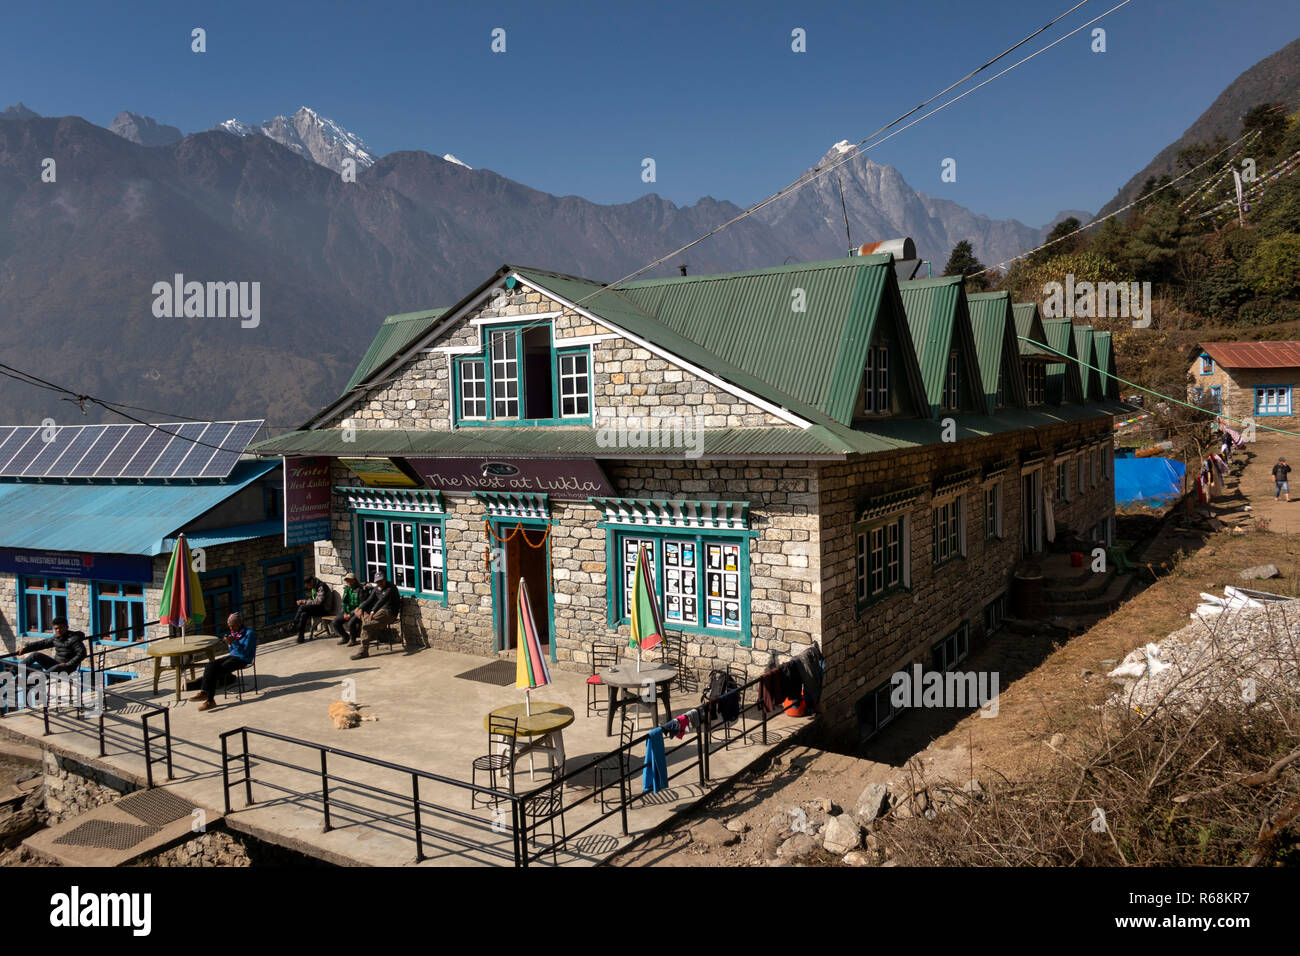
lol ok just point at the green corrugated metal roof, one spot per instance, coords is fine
(1101, 344)
(988, 321)
(542, 442)
(1029, 325)
(395, 334)
(1088, 380)
(1063, 382)
(939, 321)
(111, 519)
(748, 319)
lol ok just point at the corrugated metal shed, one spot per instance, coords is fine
(395, 334)
(111, 519)
(1254, 354)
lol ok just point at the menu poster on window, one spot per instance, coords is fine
(715, 613)
(715, 556)
(674, 607)
(688, 582)
(688, 609)
(715, 585)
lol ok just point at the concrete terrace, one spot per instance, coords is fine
(429, 719)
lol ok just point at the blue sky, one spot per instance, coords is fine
(711, 91)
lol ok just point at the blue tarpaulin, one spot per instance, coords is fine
(1153, 481)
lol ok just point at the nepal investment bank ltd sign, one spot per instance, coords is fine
(306, 500)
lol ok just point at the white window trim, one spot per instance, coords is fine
(559, 394)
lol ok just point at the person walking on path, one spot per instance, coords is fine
(1280, 472)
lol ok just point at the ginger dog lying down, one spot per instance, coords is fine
(346, 714)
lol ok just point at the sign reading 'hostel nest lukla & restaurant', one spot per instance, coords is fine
(575, 478)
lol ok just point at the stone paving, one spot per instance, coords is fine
(428, 718)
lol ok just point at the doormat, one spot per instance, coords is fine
(500, 673)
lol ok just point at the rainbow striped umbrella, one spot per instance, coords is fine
(182, 598)
(647, 628)
(530, 667)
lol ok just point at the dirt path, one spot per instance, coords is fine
(1047, 688)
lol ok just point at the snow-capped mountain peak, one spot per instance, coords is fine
(452, 159)
(236, 128)
(312, 136)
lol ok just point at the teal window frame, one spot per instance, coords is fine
(295, 576)
(97, 624)
(490, 418)
(1207, 364)
(1290, 399)
(619, 615)
(414, 519)
(24, 625)
(235, 590)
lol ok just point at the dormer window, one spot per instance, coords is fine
(951, 385)
(1035, 382)
(875, 381)
(522, 378)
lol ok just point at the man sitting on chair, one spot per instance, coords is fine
(242, 642)
(320, 604)
(377, 611)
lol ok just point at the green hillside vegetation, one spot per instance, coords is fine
(1211, 277)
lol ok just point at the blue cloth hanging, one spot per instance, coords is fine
(654, 777)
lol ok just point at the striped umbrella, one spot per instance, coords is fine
(182, 598)
(530, 666)
(647, 628)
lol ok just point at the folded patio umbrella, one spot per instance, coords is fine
(530, 667)
(182, 598)
(647, 628)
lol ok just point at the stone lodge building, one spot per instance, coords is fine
(1247, 380)
(812, 456)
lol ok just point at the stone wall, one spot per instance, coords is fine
(224, 848)
(862, 648)
(624, 376)
(1239, 392)
(72, 788)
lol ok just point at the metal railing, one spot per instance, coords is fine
(95, 676)
(550, 794)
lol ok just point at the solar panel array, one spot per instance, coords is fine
(171, 450)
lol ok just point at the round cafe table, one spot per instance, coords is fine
(543, 722)
(626, 677)
(182, 651)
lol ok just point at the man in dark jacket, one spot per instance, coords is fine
(320, 604)
(69, 650)
(1280, 472)
(378, 611)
